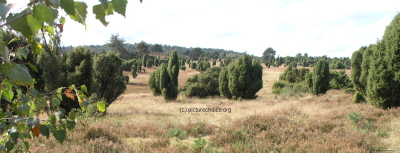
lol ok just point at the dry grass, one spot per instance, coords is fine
(141, 122)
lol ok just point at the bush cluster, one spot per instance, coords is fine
(204, 84)
(241, 79)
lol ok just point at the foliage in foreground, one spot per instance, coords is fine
(40, 18)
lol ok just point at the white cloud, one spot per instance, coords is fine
(329, 27)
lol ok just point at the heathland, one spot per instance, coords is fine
(289, 122)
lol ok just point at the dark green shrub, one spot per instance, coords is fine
(293, 75)
(183, 68)
(356, 62)
(358, 98)
(127, 65)
(279, 84)
(126, 78)
(365, 66)
(164, 80)
(79, 72)
(204, 84)
(193, 65)
(243, 78)
(154, 81)
(133, 71)
(144, 60)
(79, 67)
(320, 78)
(339, 80)
(108, 78)
(149, 63)
(202, 66)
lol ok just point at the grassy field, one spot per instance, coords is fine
(140, 122)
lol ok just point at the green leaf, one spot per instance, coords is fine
(72, 115)
(17, 73)
(110, 9)
(3, 11)
(42, 12)
(54, 13)
(25, 99)
(24, 109)
(80, 12)
(36, 48)
(62, 20)
(52, 119)
(84, 89)
(33, 67)
(26, 144)
(100, 14)
(55, 3)
(101, 106)
(34, 24)
(56, 102)
(59, 91)
(12, 40)
(60, 135)
(32, 122)
(104, 3)
(60, 113)
(4, 52)
(120, 6)
(44, 130)
(9, 145)
(14, 136)
(8, 94)
(68, 6)
(23, 52)
(50, 30)
(70, 125)
(20, 24)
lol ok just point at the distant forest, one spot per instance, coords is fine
(131, 48)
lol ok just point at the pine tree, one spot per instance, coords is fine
(320, 78)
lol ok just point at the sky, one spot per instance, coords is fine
(335, 28)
